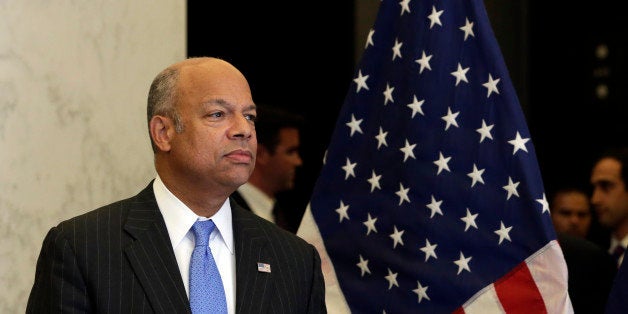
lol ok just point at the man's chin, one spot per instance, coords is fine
(239, 180)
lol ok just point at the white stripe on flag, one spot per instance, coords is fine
(487, 302)
(548, 283)
(335, 300)
(552, 284)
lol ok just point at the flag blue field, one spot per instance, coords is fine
(430, 199)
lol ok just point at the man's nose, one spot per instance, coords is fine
(241, 127)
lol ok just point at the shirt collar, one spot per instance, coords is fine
(179, 218)
(256, 199)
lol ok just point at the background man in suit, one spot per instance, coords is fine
(571, 212)
(618, 296)
(591, 269)
(609, 178)
(133, 256)
(591, 272)
(275, 167)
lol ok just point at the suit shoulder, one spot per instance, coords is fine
(117, 208)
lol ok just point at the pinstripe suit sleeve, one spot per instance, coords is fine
(114, 259)
(317, 297)
(58, 285)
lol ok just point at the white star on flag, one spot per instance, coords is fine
(349, 169)
(503, 232)
(364, 266)
(467, 29)
(421, 291)
(442, 163)
(369, 40)
(403, 194)
(374, 181)
(388, 94)
(544, 203)
(435, 17)
(370, 224)
(463, 263)
(511, 188)
(405, 6)
(396, 236)
(450, 118)
(469, 220)
(491, 86)
(519, 143)
(416, 106)
(424, 61)
(408, 151)
(397, 50)
(354, 125)
(485, 131)
(392, 279)
(342, 211)
(381, 138)
(476, 175)
(360, 82)
(434, 207)
(429, 249)
(460, 74)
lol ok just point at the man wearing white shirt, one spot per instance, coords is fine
(133, 255)
(276, 164)
(609, 178)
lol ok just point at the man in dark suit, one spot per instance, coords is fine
(133, 256)
(276, 164)
(591, 272)
(618, 296)
(609, 178)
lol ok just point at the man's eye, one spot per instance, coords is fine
(216, 114)
(251, 117)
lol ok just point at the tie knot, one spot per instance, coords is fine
(619, 251)
(202, 230)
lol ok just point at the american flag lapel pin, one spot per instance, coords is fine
(263, 267)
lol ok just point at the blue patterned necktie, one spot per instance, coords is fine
(206, 291)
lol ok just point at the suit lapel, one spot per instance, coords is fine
(151, 255)
(252, 286)
(236, 196)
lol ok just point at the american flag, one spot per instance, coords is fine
(430, 199)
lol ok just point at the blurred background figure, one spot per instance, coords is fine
(591, 272)
(571, 212)
(610, 199)
(278, 158)
(591, 269)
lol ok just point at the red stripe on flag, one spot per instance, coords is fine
(518, 292)
(459, 310)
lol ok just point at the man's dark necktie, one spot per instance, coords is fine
(617, 253)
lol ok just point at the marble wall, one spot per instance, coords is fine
(74, 76)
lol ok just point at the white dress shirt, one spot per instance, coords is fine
(614, 244)
(258, 201)
(179, 220)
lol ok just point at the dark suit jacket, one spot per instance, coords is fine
(618, 297)
(591, 272)
(119, 259)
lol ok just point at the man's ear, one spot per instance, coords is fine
(161, 131)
